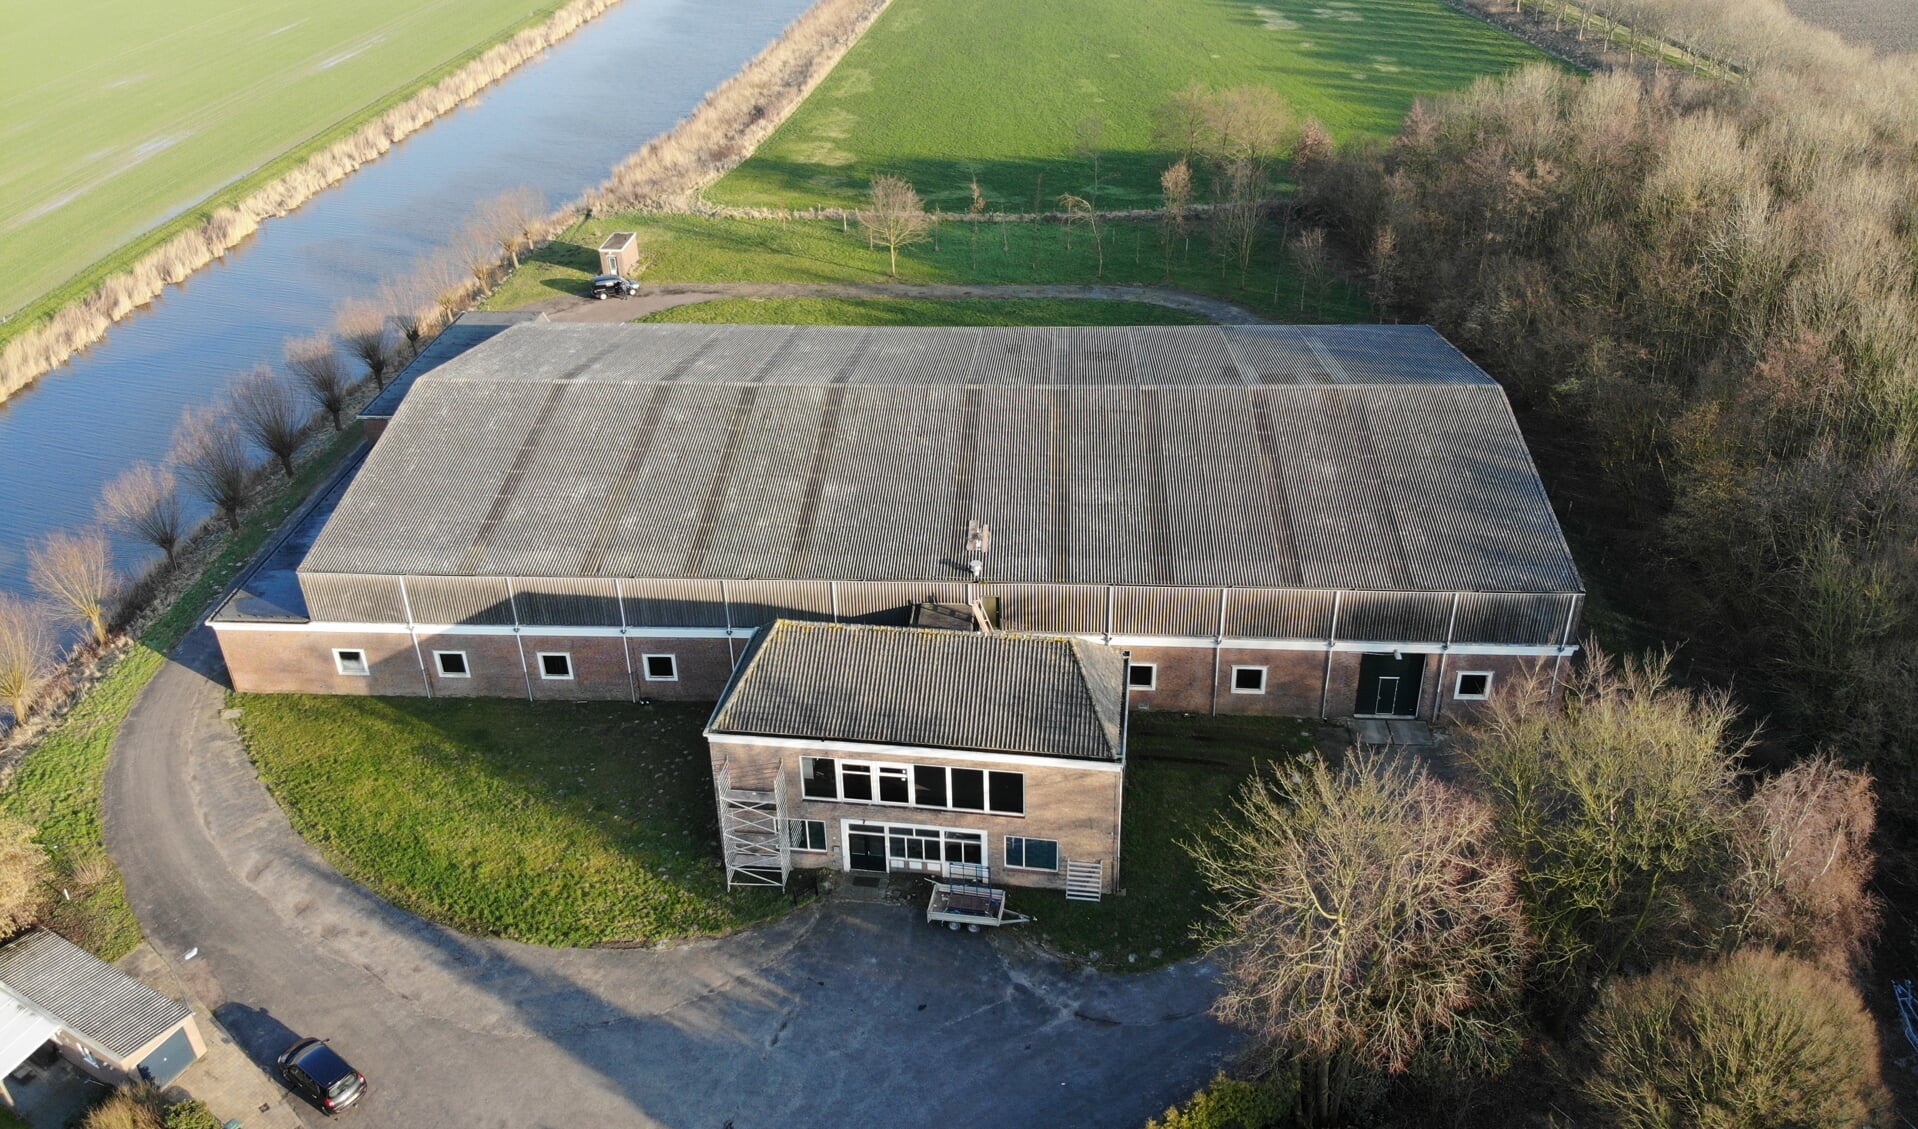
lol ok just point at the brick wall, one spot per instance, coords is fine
(1076, 806)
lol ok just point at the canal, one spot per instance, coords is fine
(558, 125)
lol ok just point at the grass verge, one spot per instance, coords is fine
(941, 91)
(1182, 773)
(924, 311)
(57, 785)
(693, 249)
(553, 823)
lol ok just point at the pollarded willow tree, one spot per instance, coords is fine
(26, 655)
(1367, 925)
(75, 571)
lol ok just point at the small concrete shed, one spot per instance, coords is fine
(103, 1021)
(619, 254)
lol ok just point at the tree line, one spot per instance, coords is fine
(224, 454)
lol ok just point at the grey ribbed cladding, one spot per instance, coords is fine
(998, 693)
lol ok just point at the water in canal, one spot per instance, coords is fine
(558, 124)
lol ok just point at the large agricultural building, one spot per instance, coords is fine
(1321, 521)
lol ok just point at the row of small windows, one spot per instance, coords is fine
(917, 785)
(1471, 685)
(553, 665)
(925, 844)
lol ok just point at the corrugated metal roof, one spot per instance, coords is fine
(86, 994)
(467, 330)
(22, 1031)
(1038, 695)
(1258, 456)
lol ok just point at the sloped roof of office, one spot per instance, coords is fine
(1037, 695)
(86, 994)
(1366, 457)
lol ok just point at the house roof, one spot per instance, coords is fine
(1365, 457)
(1037, 695)
(87, 995)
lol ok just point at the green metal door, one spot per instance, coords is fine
(1389, 685)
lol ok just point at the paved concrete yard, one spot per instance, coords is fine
(841, 1014)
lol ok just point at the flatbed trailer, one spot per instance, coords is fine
(969, 905)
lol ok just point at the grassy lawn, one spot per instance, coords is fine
(693, 249)
(126, 114)
(924, 311)
(939, 91)
(57, 787)
(555, 823)
(1182, 774)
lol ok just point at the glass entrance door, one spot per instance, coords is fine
(866, 850)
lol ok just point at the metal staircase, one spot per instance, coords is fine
(751, 826)
(1085, 881)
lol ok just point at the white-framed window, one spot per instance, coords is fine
(350, 661)
(1473, 685)
(555, 665)
(924, 848)
(452, 664)
(1032, 854)
(806, 834)
(1248, 680)
(660, 668)
(1143, 676)
(918, 785)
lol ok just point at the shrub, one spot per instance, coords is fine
(191, 1115)
(1757, 1039)
(24, 874)
(1804, 860)
(1230, 1103)
(134, 1107)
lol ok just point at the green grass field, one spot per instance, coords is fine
(705, 249)
(124, 114)
(559, 824)
(941, 90)
(922, 311)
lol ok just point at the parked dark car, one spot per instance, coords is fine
(317, 1072)
(613, 286)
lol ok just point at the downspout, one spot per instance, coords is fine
(1325, 689)
(419, 656)
(1564, 642)
(1445, 652)
(519, 642)
(1125, 736)
(625, 641)
(1218, 652)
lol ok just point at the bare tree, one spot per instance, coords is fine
(1181, 121)
(367, 334)
(1754, 1039)
(1175, 187)
(318, 370)
(213, 458)
(24, 875)
(1078, 211)
(1366, 924)
(1313, 263)
(1617, 807)
(1804, 862)
(479, 255)
(268, 412)
(409, 310)
(896, 218)
(1238, 213)
(26, 655)
(144, 502)
(513, 219)
(75, 571)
